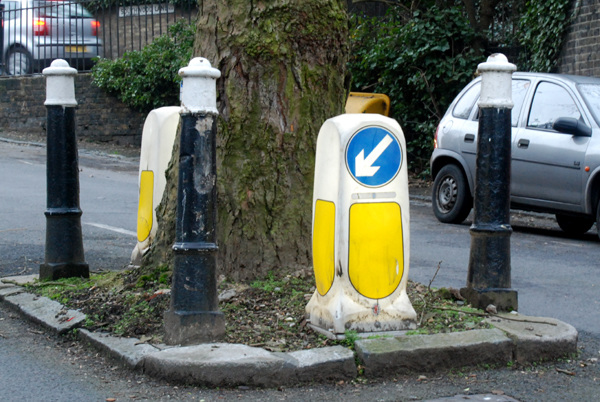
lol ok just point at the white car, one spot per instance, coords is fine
(37, 32)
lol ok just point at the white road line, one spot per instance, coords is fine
(112, 228)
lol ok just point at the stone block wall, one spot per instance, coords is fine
(581, 48)
(99, 117)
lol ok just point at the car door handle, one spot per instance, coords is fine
(523, 143)
(469, 137)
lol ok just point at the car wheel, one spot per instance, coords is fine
(574, 225)
(451, 198)
(18, 62)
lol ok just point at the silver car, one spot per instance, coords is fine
(555, 150)
(37, 32)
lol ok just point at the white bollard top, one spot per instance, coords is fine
(60, 84)
(199, 87)
(496, 82)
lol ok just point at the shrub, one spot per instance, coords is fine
(147, 79)
(421, 64)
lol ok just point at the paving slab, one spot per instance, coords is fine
(536, 338)
(220, 364)
(127, 351)
(46, 312)
(423, 353)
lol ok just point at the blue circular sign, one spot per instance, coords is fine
(373, 156)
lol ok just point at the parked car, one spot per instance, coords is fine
(37, 32)
(555, 150)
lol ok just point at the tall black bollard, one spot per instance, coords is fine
(193, 316)
(64, 244)
(489, 278)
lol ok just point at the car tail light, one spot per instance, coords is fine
(40, 28)
(435, 144)
(95, 26)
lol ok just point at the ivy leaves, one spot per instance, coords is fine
(542, 28)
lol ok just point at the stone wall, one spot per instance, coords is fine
(99, 117)
(581, 48)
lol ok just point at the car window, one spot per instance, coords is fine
(61, 9)
(550, 102)
(591, 96)
(519, 90)
(463, 107)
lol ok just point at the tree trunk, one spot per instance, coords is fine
(283, 65)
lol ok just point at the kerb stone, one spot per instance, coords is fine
(219, 364)
(537, 338)
(127, 351)
(329, 363)
(423, 353)
(46, 312)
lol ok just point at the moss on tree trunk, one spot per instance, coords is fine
(283, 66)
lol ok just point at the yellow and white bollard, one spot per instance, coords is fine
(158, 137)
(361, 227)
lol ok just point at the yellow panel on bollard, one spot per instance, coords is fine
(361, 227)
(145, 205)
(376, 260)
(324, 245)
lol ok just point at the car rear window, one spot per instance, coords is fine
(463, 107)
(61, 9)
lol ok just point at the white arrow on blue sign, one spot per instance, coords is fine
(373, 156)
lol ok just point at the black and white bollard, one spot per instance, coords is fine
(64, 244)
(193, 316)
(489, 277)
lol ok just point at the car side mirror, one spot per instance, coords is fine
(570, 125)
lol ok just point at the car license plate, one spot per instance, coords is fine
(76, 49)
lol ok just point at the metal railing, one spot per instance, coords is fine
(39, 31)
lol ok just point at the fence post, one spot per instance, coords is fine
(489, 278)
(194, 316)
(64, 244)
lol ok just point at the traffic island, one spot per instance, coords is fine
(515, 338)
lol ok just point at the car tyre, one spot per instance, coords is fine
(18, 61)
(451, 197)
(574, 225)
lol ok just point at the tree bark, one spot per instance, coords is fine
(283, 66)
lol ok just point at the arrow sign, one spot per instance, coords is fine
(383, 156)
(364, 167)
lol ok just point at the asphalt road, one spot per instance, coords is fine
(108, 199)
(555, 276)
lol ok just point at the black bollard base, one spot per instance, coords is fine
(502, 299)
(192, 328)
(52, 272)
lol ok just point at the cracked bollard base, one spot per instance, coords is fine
(54, 271)
(191, 328)
(503, 299)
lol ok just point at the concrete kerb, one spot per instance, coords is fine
(515, 338)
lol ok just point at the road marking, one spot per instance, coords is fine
(111, 228)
